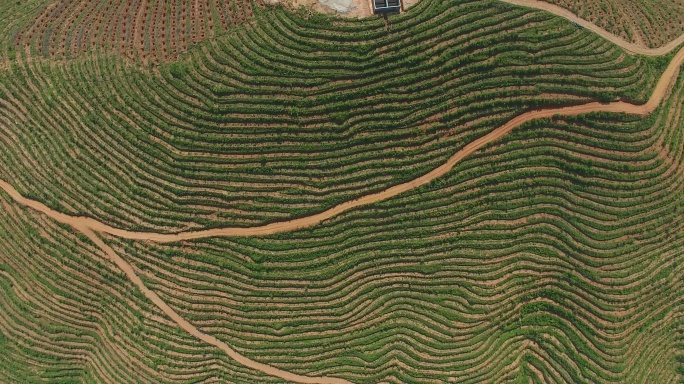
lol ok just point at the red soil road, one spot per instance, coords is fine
(89, 226)
(659, 93)
(191, 329)
(628, 46)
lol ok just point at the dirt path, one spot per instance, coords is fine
(191, 329)
(89, 226)
(659, 93)
(628, 46)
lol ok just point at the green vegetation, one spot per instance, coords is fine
(553, 255)
(68, 315)
(653, 23)
(289, 116)
(146, 31)
(559, 246)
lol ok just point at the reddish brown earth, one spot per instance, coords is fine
(149, 30)
(628, 46)
(659, 93)
(89, 226)
(645, 22)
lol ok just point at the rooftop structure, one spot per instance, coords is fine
(386, 6)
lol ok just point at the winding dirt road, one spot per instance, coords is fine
(659, 93)
(89, 226)
(624, 44)
(191, 329)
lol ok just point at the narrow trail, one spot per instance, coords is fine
(191, 329)
(89, 226)
(624, 44)
(659, 93)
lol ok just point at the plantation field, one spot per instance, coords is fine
(471, 191)
(146, 30)
(527, 260)
(650, 23)
(246, 130)
(67, 314)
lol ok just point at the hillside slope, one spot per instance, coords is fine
(140, 30)
(250, 129)
(651, 23)
(552, 254)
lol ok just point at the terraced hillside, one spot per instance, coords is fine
(137, 29)
(554, 255)
(248, 129)
(651, 23)
(67, 314)
(551, 255)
